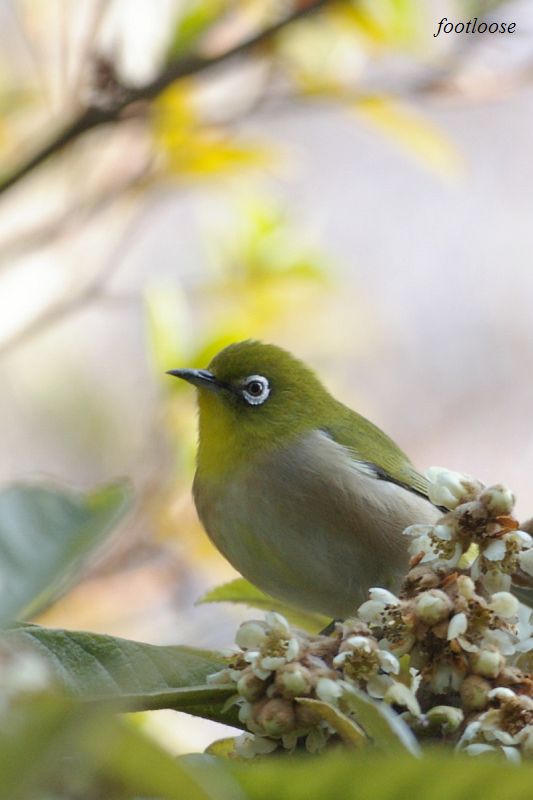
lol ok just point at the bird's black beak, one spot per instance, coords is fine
(198, 377)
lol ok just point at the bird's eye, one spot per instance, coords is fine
(255, 390)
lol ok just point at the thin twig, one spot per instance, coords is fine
(94, 116)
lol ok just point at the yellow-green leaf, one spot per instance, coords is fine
(241, 591)
(416, 135)
(348, 730)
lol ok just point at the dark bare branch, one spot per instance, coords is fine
(94, 115)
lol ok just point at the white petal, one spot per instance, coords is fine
(504, 737)
(359, 642)
(271, 663)
(501, 693)
(495, 551)
(471, 731)
(370, 611)
(277, 623)
(293, 650)
(520, 537)
(327, 690)
(383, 596)
(478, 749)
(525, 559)
(250, 635)
(388, 662)
(503, 640)
(512, 754)
(444, 532)
(458, 625)
(378, 685)
(505, 604)
(496, 581)
(418, 530)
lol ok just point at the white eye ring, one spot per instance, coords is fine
(257, 397)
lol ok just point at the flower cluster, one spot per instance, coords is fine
(445, 653)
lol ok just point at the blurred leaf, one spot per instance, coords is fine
(192, 147)
(390, 23)
(415, 134)
(222, 748)
(367, 775)
(54, 748)
(384, 727)
(241, 591)
(45, 533)
(348, 730)
(136, 676)
(196, 19)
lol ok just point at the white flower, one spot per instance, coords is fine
(448, 488)
(328, 691)
(251, 634)
(458, 625)
(399, 694)
(504, 604)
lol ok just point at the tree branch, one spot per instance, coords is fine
(94, 115)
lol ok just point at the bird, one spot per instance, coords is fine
(306, 498)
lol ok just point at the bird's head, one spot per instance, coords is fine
(253, 397)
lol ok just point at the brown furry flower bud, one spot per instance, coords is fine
(276, 717)
(474, 693)
(250, 686)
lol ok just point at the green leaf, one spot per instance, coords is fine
(241, 591)
(369, 775)
(134, 676)
(348, 730)
(197, 18)
(52, 747)
(44, 534)
(412, 132)
(384, 727)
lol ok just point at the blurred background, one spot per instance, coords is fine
(327, 176)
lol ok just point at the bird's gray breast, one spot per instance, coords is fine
(311, 525)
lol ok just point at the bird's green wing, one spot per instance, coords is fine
(373, 447)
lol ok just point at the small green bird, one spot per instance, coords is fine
(304, 497)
